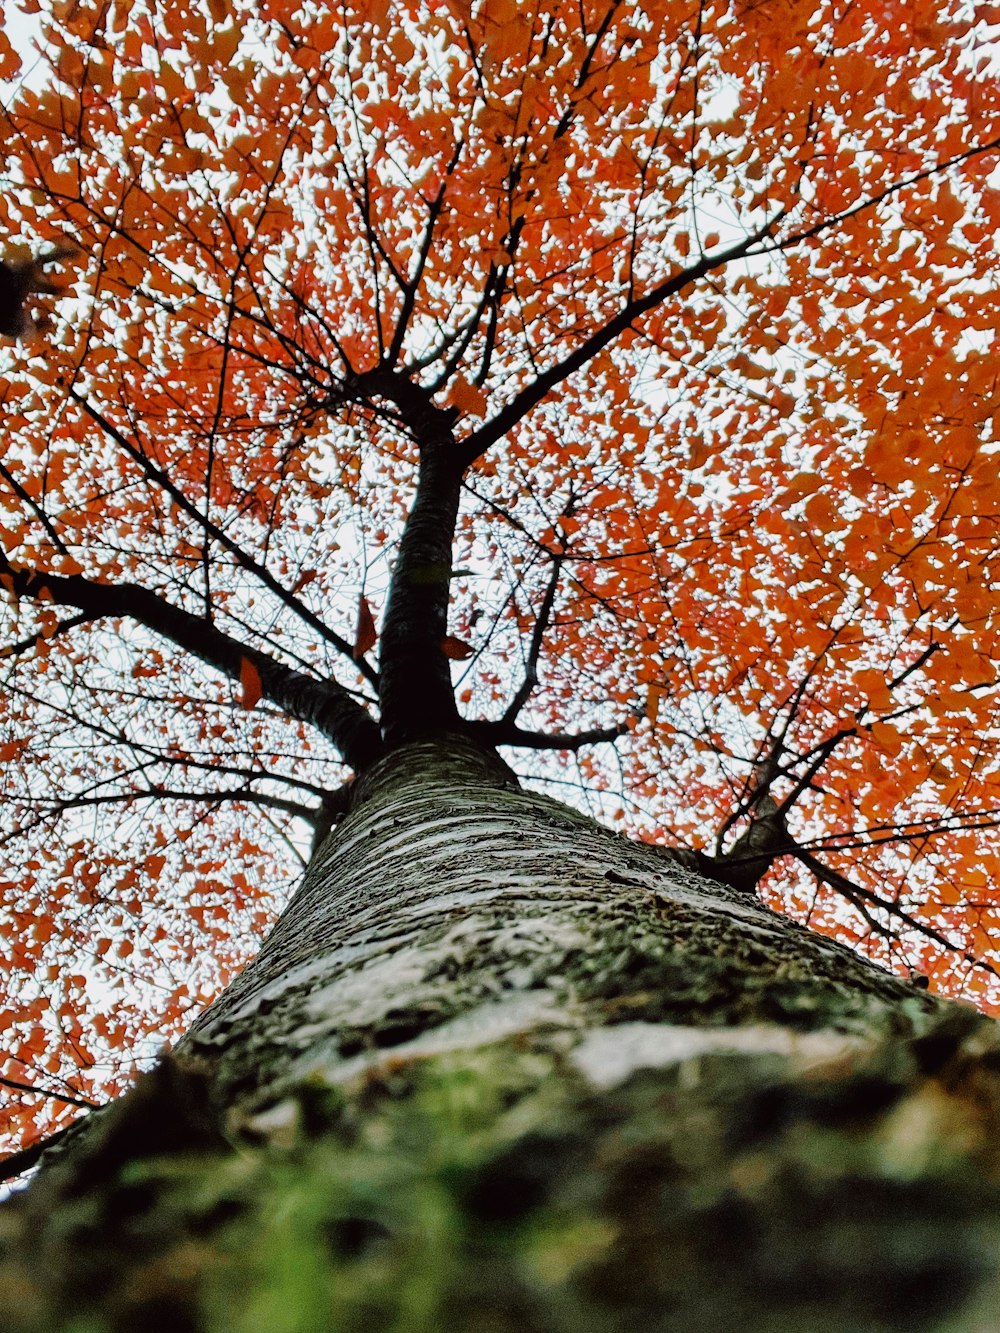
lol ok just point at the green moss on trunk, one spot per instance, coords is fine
(844, 1188)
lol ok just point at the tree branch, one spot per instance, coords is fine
(215, 533)
(26, 645)
(894, 187)
(36, 1091)
(480, 440)
(535, 647)
(16, 1163)
(506, 733)
(851, 891)
(310, 814)
(322, 704)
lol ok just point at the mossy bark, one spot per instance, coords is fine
(499, 1068)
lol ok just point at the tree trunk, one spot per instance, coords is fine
(498, 1068)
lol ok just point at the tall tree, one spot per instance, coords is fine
(609, 386)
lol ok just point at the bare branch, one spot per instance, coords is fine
(69, 1098)
(851, 891)
(504, 733)
(322, 704)
(212, 530)
(535, 647)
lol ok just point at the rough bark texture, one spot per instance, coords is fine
(451, 907)
(498, 1068)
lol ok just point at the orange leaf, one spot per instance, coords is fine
(470, 399)
(250, 683)
(366, 634)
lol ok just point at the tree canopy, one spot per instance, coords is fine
(611, 380)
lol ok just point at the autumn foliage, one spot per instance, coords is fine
(699, 300)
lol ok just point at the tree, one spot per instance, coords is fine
(610, 386)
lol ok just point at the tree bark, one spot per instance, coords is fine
(499, 1068)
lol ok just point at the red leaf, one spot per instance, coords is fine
(457, 649)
